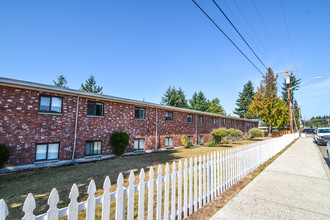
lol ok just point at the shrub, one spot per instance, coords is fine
(189, 143)
(218, 134)
(226, 142)
(184, 140)
(119, 140)
(234, 133)
(256, 132)
(4, 154)
(211, 144)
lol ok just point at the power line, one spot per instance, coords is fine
(238, 33)
(227, 37)
(271, 39)
(287, 29)
(245, 30)
(247, 21)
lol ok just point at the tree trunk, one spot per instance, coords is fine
(270, 131)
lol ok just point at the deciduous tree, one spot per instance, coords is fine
(267, 105)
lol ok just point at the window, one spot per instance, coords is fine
(190, 118)
(168, 141)
(224, 121)
(232, 122)
(140, 113)
(50, 104)
(214, 121)
(200, 139)
(139, 144)
(200, 119)
(94, 108)
(190, 138)
(248, 124)
(169, 116)
(48, 151)
(243, 123)
(237, 123)
(93, 147)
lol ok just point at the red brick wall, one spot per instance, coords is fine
(21, 126)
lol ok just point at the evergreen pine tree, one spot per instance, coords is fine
(293, 82)
(181, 101)
(199, 102)
(244, 100)
(90, 86)
(215, 107)
(61, 82)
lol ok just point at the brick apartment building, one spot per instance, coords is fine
(43, 124)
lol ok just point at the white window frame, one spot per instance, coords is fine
(169, 142)
(139, 142)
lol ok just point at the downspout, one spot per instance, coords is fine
(156, 131)
(75, 130)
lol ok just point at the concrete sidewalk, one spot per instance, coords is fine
(294, 186)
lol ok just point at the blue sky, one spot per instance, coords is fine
(136, 49)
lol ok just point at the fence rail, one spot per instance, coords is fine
(178, 194)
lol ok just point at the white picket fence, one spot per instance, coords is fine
(184, 190)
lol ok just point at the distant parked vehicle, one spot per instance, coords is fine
(322, 136)
(308, 130)
(328, 149)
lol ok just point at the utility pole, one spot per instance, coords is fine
(289, 97)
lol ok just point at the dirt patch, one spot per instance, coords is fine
(215, 205)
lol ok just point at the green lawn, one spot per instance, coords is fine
(14, 187)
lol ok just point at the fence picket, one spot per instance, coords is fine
(200, 183)
(90, 212)
(120, 199)
(185, 188)
(106, 199)
(180, 191)
(159, 194)
(73, 206)
(218, 173)
(208, 183)
(28, 207)
(3, 210)
(214, 188)
(190, 186)
(141, 195)
(167, 192)
(204, 180)
(195, 185)
(130, 200)
(221, 171)
(173, 207)
(151, 184)
(53, 199)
